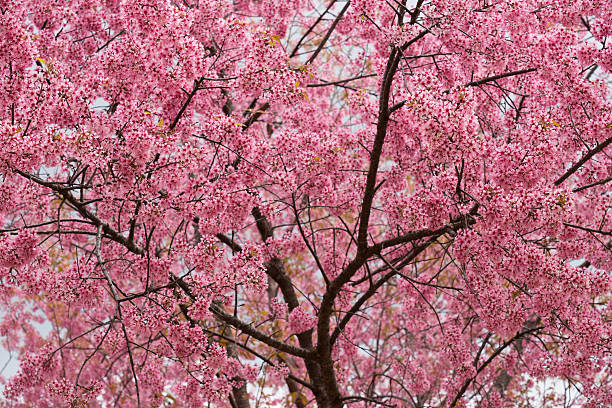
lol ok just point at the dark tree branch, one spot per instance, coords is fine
(597, 183)
(415, 13)
(323, 348)
(591, 230)
(299, 43)
(372, 291)
(229, 242)
(584, 159)
(341, 81)
(500, 76)
(255, 116)
(85, 212)
(256, 334)
(196, 87)
(329, 33)
(484, 365)
(245, 327)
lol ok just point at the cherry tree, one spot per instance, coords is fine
(260, 203)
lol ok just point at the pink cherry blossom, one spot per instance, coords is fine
(313, 204)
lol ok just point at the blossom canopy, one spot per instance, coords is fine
(358, 203)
